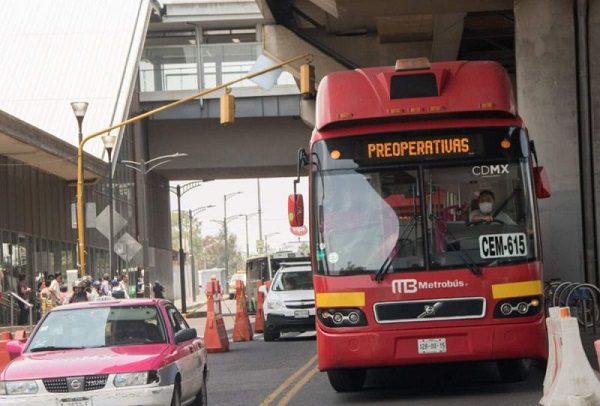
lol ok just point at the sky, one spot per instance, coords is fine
(274, 195)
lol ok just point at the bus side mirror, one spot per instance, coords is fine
(296, 210)
(541, 182)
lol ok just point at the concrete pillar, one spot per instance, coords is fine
(547, 101)
(594, 66)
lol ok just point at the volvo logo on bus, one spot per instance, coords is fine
(490, 170)
(412, 285)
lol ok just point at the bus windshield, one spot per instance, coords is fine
(423, 214)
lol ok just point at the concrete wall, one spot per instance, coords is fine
(547, 99)
(250, 148)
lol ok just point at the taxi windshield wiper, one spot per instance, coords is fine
(54, 348)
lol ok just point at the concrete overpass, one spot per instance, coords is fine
(549, 47)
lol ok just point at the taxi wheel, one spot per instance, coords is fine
(347, 380)
(513, 370)
(176, 399)
(202, 396)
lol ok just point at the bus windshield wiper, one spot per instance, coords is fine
(54, 348)
(465, 257)
(385, 266)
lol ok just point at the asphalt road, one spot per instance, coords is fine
(284, 372)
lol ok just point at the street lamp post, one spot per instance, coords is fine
(247, 241)
(180, 190)
(109, 143)
(192, 256)
(266, 239)
(144, 168)
(79, 109)
(225, 198)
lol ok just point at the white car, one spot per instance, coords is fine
(290, 303)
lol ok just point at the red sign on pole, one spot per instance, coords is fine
(299, 231)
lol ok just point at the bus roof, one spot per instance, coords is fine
(442, 90)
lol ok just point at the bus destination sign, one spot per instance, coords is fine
(422, 148)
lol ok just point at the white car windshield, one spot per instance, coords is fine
(293, 280)
(95, 327)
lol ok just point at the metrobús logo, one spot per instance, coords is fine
(413, 286)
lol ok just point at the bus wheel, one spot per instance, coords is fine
(513, 370)
(347, 380)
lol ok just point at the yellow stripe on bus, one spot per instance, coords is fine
(341, 299)
(517, 289)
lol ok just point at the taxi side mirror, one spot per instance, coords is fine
(296, 210)
(14, 348)
(541, 183)
(185, 335)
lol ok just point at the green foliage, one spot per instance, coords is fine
(209, 251)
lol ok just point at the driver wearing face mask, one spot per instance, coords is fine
(486, 210)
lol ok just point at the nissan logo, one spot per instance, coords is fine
(75, 384)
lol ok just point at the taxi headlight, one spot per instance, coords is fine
(275, 304)
(135, 379)
(18, 387)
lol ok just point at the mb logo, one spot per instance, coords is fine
(404, 286)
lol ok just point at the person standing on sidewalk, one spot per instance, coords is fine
(24, 292)
(158, 290)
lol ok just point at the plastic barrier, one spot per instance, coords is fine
(259, 321)
(242, 330)
(570, 380)
(215, 334)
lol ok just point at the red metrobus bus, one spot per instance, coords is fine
(425, 240)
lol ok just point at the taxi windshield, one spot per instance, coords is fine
(420, 215)
(95, 327)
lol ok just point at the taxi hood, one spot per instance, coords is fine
(88, 361)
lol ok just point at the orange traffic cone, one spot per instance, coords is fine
(259, 322)
(215, 334)
(242, 331)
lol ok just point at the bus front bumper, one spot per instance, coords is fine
(400, 347)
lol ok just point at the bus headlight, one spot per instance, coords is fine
(518, 307)
(342, 317)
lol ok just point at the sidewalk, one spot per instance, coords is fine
(191, 305)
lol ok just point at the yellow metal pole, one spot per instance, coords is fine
(80, 206)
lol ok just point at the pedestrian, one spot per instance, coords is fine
(140, 287)
(158, 290)
(123, 285)
(79, 294)
(24, 292)
(94, 294)
(63, 294)
(105, 285)
(117, 292)
(55, 288)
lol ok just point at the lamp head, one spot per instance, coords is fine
(109, 141)
(79, 109)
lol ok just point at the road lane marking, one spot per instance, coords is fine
(269, 399)
(301, 383)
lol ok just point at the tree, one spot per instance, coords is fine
(209, 251)
(196, 237)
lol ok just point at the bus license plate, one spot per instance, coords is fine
(301, 314)
(431, 346)
(503, 245)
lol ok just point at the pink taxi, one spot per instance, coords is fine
(118, 352)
